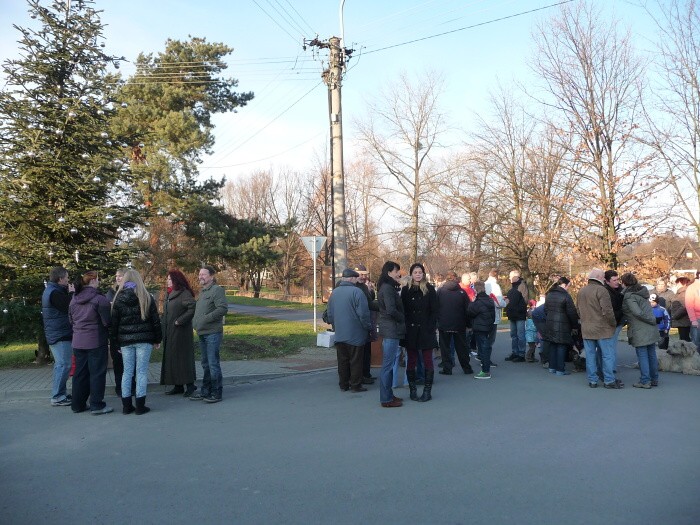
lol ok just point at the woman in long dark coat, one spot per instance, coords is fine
(178, 339)
(562, 318)
(420, 305)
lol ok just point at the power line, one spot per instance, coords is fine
(469, 27)
(296, 41)
(301, 17)
(287, 17)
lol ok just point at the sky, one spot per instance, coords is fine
(285, 127)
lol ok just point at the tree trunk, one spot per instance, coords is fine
(43, 354)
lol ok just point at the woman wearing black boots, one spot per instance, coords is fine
(421, 309)
(178, 338)
(136, 327)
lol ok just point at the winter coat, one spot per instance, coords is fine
(616, 301)
(692, 301)
(56, 324)
(452, 308)
(481, 313)
(392, 321)
(679, 315)
(210, 310)
(641, 323)
(178, 339)
(516, 309)
(348, 312)
(539, 317)
(663, 319)
(421, 317)
(127, 326)
(596, 311)
(664, 298)
(562, 317)
(530, 331)
(89, 314)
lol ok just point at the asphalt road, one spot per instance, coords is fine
(525, 447)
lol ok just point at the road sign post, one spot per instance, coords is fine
(314, 245)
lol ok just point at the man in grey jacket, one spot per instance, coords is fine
(348, 312)
(208, 321)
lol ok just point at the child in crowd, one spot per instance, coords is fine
(531, 335)
(663, 321)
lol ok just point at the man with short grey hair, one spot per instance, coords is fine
(516, 309)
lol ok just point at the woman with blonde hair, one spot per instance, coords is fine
(89, 314)
(136, 329)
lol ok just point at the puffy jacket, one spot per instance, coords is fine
(421, 317)
(562, 317)
(56, 323)
(127, 326)
(641, 322)
(452, 308)
(392, 322)
(89, 314)
(516, 309)
(482, 313)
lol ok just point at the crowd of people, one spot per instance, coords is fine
(82, 326)
(457, 315)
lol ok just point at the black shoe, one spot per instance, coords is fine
(358, 389)
(196, 396)
(518, 359)
(367, 380)
(468, 370)
(344, 388)
(189, 390)
(511, 357)
(593, 385)
(446, 371)
(177, 389)
(212, 399)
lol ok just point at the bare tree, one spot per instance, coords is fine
(676, 136)
(400, 133)
(593, 77)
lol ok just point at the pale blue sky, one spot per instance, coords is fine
(269, 60)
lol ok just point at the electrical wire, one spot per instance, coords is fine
(500, 19)
(276, 22)
(284, 14)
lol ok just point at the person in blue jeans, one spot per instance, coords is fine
(59, 333)
(208, 321)
(642, 330)
(392, 328)
(136, 330)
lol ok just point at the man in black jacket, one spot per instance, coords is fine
(453, 324)
(482, 315)
(516, 309)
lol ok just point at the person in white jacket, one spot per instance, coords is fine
(493, 290)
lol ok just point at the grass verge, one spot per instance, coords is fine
(272, 303)
(245, 337)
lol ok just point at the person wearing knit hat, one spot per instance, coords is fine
(598, 328)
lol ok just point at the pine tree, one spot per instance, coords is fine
(64, 179)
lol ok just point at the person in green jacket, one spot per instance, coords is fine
(208, 321)
(642, 331)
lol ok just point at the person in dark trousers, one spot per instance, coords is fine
(89, 314)
(516, 309)
(421, 307)
(59, 333)
(348, 312)
(679, 314)
(539, 317)
(368, 290)
(114, 351)
(453, 324)
(562, 321)
(178, 338)
(614, 288)
(482, 315)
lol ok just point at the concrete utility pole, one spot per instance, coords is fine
(332, 76)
